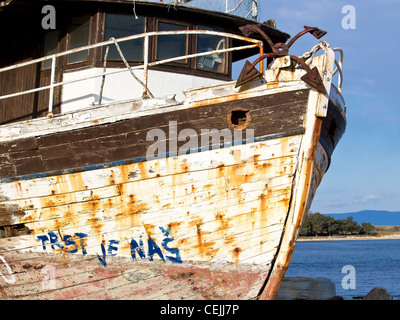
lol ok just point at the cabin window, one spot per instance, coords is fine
(78, 37)
(214, 62)
(170, 46)
(50, 46)
(119, 26)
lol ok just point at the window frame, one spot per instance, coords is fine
(228, 55)
(90, 58)
(117, 63)
(44, 68)
(189, 45)
(92, 38)
(97, 32)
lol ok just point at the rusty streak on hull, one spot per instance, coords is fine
(278, 272)
(85, 214)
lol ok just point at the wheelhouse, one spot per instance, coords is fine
(173, 53)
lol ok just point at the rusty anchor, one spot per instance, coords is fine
(249, 72)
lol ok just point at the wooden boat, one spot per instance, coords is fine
(145, 172)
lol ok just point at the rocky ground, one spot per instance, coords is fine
(305, 288)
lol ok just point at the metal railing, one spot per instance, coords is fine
(339, 68)
(145, 66)
(339, 64)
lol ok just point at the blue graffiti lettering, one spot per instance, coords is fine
(112, 248)
(69, 242)
(102, 259)
(154, 248)
(175, 251)
(54, 240)
(43, 238)
(81, 236)
(135, 247)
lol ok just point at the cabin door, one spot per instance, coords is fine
(31, 105)
(73, 32)
(30, 45)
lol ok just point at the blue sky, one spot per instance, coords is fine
(365, 170)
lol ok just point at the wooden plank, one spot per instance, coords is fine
(123, 229)
(176, 188)
(47, 186)
(242, 211)
(141, 281)
(86, 147)
(177, 200)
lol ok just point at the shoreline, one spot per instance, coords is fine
(341, 238)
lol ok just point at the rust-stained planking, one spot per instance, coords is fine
(210, 224)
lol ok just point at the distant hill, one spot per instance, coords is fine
(375, 217)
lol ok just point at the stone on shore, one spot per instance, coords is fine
(378, 294)
(304, 288)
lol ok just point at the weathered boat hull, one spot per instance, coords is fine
(88, 212)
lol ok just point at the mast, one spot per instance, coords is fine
(255, 10)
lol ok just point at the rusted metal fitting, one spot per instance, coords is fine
(280, 49)
(316, 32)
(249, 72)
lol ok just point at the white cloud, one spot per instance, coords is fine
(369, 198)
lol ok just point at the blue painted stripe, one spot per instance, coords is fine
(144, 159)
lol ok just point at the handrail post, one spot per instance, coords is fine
(261, 54)
(104, 75)
(145, 89)
(52, 79)
(339, 66)
(146, 65)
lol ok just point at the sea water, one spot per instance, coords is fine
(355, 266)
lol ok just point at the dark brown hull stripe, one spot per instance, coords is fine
(144, 159)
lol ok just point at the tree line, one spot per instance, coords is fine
(317, 224)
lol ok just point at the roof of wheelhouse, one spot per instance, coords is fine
(228, 22)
